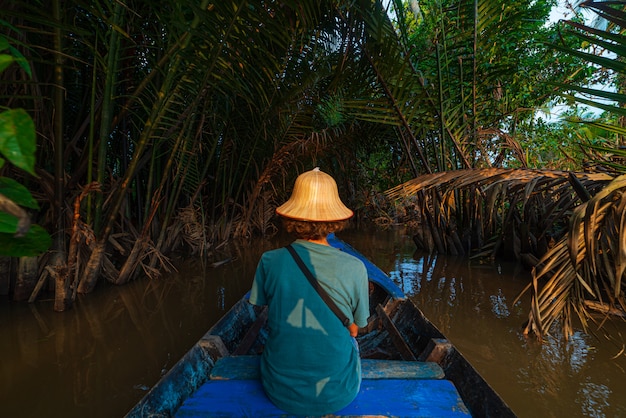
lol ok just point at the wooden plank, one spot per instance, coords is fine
(396, 337)
(397, 369)
(247, 367)
(437, 350)
(392, 397)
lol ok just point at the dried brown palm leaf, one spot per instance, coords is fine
(523, 210)
(261, 219)
(620, 254)
(587, 264)
(188, 228)
(490, 177)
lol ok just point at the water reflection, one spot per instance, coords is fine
(100, 358)
(595, 399)
(471, 303)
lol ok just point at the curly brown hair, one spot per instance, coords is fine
(312, 230)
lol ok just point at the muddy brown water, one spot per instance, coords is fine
(100, 358)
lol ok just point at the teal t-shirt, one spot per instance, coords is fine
(310, 365)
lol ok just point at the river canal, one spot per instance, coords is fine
(100, 358)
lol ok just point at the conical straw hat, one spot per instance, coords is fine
(315, 198)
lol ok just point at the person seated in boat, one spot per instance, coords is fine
(310, 364)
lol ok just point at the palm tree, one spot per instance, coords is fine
(479, 62)
(569, 226)
(173, 119)
(167, 106)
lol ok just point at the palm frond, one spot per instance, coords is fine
(588, 264)
(518, 212)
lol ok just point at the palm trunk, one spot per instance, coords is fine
(475, 83)
(92, 133)
(62, 293)
(133, 260)
(107, 109)
(90, 276)
(59, 255)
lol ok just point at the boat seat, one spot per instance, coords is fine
(247, 367)
(378, 397)
(389, 388)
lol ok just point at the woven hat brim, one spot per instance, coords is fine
(319, 214)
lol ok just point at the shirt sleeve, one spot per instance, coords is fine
(257, 293)
(362, 309)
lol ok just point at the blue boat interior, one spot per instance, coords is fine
(389, 388)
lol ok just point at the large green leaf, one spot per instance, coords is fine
(8, 223)
(5, 61)
(17, 193)
(35, 242)
(17, 139)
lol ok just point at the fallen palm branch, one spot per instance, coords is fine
(585, 270)
(496, 211)
(604, 308)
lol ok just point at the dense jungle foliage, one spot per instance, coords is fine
(137, 129)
